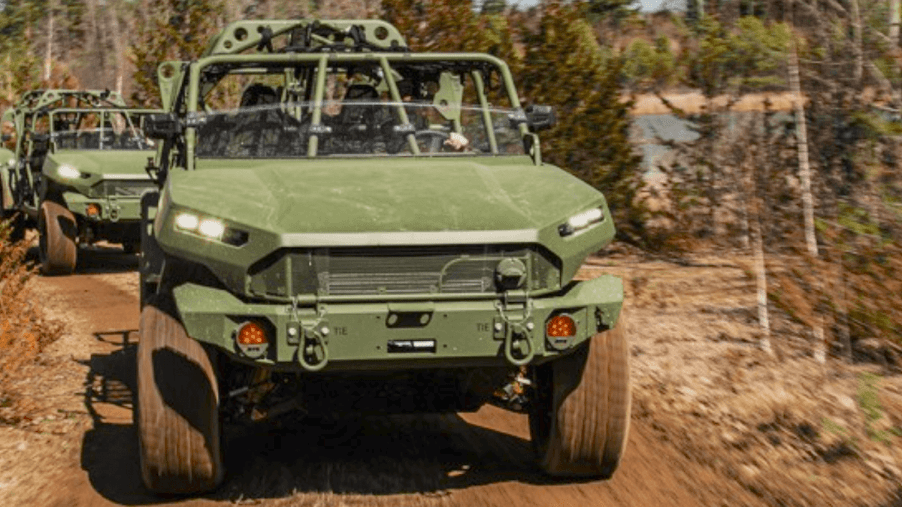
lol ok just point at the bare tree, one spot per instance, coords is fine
(857, 48)
(48, 57)
(118, 49)
(894, 24)
(820, 352)
(753, 214)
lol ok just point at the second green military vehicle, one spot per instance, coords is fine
(346, 226)
(75, 170)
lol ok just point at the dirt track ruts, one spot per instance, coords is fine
(86, 454)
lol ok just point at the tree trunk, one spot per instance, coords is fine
(894, 24)
(95, 55)
(48, 57)
(746, 228)
(753, 218)
(843, 308)
(761, 278)
(8, 88)
(856, 42)
(820, 352)
(117, 44)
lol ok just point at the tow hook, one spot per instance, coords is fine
(114, 209)
(311, 338)
(517, 327)
(518, 347)
(313, 352)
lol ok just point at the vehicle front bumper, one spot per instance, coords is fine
(112, 209)
(387, 335)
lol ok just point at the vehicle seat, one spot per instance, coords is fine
(358, 111)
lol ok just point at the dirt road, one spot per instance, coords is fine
(79, 446)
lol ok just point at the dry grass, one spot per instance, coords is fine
(24, 332)
(788, 429)
(695, 102)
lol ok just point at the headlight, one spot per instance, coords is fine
(186, 222)
(581, 221)
(209, 228)
(68, 172)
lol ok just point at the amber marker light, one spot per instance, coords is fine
(561, 326)
(92, 210)
(251, 333)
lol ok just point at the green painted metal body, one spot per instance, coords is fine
(99, 169)
(370, 204)
(359, 332)
(7, 164)
(110, 179)
(40, 99)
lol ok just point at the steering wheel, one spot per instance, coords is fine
(434, 140)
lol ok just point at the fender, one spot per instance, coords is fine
(7, 164)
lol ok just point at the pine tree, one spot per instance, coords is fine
(565, 66)
(19, 64)
(493, 7)
(174, 30)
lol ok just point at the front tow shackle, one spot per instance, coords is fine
(313, 352)
(518, 342)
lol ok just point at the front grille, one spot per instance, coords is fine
(410, 270)
(396, 270)
(124, 188)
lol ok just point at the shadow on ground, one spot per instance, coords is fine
(96, 259)
(896, 501)
(385, 455)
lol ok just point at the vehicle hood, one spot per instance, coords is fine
(100, 162)
(366, 196)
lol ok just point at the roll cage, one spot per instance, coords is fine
(308, 52)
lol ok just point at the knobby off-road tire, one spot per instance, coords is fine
(579, 421)
(177, 412)
(57, 230)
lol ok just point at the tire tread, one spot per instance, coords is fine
(59, 228)
(590, 409)
(180, 452)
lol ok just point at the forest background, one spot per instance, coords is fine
(812, 195)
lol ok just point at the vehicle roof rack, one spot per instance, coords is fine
(43, 99)
(306, 36)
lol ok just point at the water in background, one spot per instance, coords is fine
(648, 128)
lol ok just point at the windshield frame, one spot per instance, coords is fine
(281, 130)
(199, 73)
(103, 111)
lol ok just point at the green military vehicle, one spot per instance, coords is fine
(76, 170)
(345, 226)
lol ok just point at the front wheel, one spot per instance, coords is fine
(57, 231)
(579, 419)
(178, 406)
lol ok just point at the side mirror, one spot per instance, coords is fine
(162, 126)
(540, 117)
